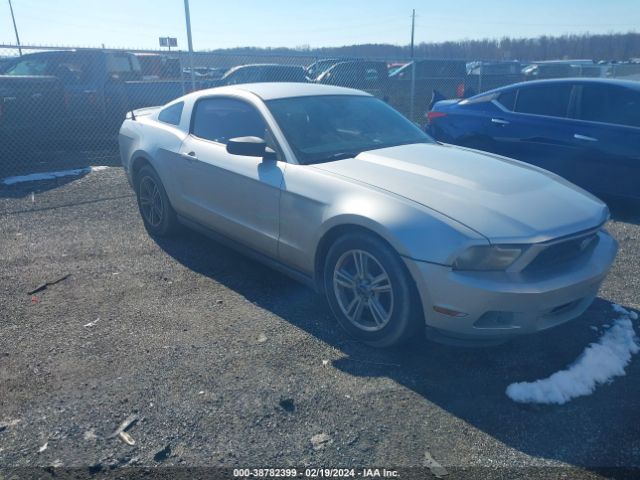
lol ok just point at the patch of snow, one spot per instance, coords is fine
(599, 363)
(624, 311)
(619, 309)
(34, 177)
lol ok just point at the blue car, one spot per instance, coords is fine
(586, 130)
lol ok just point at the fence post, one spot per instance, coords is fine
(412, 94)
(184, 90)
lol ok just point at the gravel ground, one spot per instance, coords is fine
(225, 362)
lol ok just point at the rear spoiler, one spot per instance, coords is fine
(140, 112)
(436, 96)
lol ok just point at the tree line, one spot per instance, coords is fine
(600, 47)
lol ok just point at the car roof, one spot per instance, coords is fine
(275, 90)
(635, 85)
(265, 65)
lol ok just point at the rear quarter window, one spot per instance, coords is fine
(507, 99)
(172, 114)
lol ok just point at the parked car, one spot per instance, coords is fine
(154, 66)
(563, 69)
(265, 72)
(483, 76)
(445, 76)
(212, 73)
(99, 86)
(587, 130)
(339, 190)
(318, 67)
(370, 76)
(624, 70)
(27, 105)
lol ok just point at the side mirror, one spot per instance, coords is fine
(247, 146)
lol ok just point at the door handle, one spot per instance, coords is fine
(499, 121)
(191, 156)
(577, 136)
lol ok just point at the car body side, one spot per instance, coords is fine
(333, 201)
(427, 240)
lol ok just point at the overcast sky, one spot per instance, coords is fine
(219, 24)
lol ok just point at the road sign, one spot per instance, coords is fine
(168, 42)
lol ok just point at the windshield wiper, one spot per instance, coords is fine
(338, 156)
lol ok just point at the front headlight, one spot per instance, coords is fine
(488, 257)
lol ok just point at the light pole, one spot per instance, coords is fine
(15, 28)
(190, 42)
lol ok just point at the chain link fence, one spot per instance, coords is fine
(62, 108)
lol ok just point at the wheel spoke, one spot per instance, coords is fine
(147, 188)
(360, 262)
(381, 284)
(354, 310)
(158, 212)
(377, 311)
(344, 279)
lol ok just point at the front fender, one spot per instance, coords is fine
(314, 203)
(412, 230)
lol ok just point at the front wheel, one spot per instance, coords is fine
(369, 291)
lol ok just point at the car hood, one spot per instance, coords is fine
(502, 199)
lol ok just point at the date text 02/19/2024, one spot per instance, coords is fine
(314, 473)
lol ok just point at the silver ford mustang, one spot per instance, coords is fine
(401, 234)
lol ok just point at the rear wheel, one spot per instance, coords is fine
(156, 211)
(369, 291)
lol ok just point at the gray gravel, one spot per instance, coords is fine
(225, 362)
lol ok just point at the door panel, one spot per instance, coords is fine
(237, 196)
(234, 195)
(607, 134)
(543, 141)
(538, 131)
(610, 158)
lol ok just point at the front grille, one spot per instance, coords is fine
(563, 252)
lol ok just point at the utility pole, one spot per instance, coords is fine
(412, 95)
(413, 29)
(190, 42)
(15, 28)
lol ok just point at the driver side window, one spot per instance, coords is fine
(220, 119)
(29, 66)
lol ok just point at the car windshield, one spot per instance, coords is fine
(330, 127)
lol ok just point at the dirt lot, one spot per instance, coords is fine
(226, 362)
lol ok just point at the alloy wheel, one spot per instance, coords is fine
(363, 290)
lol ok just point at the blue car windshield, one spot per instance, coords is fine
(330, 127)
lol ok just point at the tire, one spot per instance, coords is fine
(384, 293)
(157, 213)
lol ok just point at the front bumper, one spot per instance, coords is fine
(498, 305)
